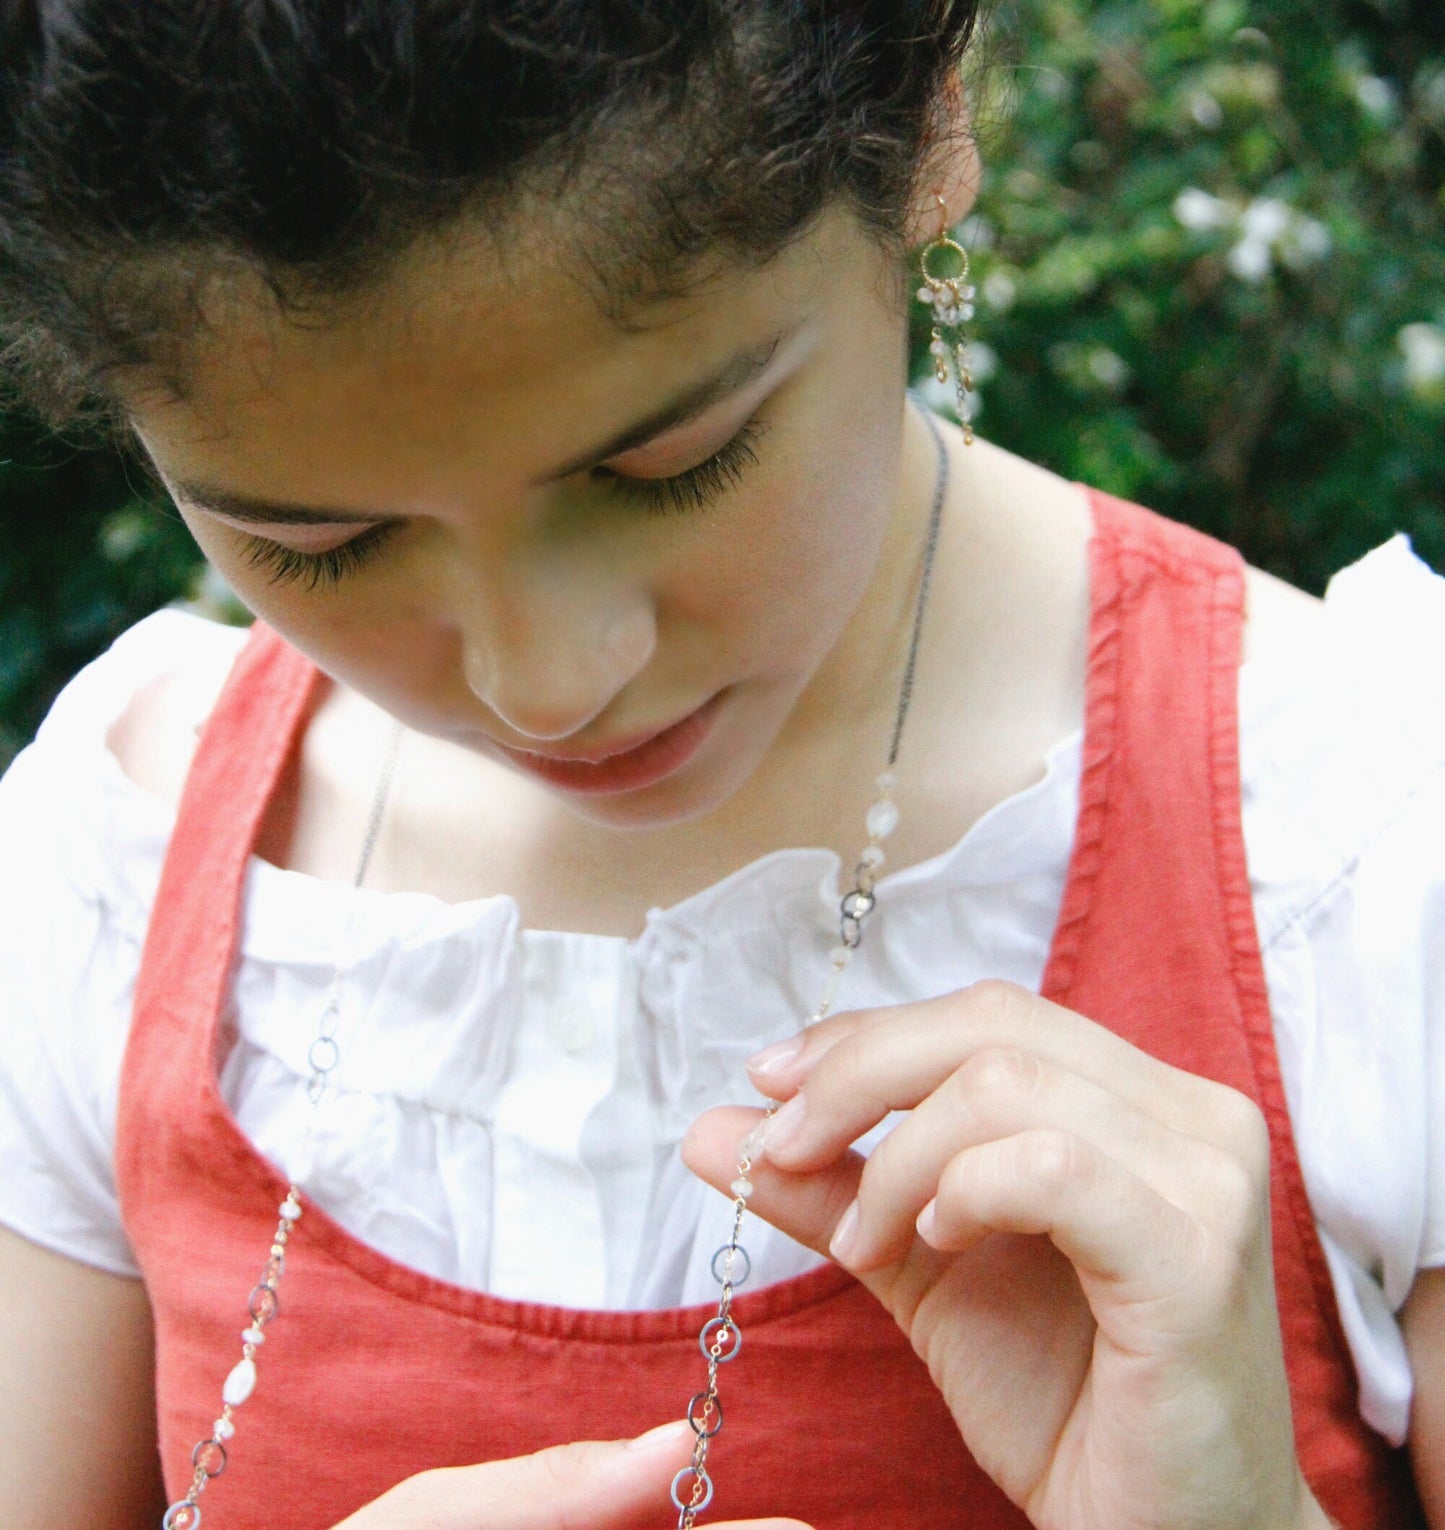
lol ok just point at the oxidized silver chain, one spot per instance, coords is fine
(208, 1458)
(721, 1338)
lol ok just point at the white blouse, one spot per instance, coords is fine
(511, 1100)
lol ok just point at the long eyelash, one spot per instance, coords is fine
(284, 565)
(699, 486)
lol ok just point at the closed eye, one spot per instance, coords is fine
(697, 487)
(285, 565)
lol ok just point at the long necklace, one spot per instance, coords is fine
(720, 1339)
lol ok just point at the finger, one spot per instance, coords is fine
(999, 1093)
(1110, 1225)
(808, 1207)
(870, 1063)
(602, 1485)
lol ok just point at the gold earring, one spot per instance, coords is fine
(946, 290)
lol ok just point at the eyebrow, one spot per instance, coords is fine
(730, 378)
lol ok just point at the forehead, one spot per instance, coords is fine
(465, 343)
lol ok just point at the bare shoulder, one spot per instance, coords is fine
(154, 736)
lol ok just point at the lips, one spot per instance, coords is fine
(629, 768)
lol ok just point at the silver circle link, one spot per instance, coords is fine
(720, 1325)
(323, 1054)
(693, 1411)
(699, 1475)
(203, 1450)
(729, 1275)
(261, 1298)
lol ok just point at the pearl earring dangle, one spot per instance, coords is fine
(947, 291)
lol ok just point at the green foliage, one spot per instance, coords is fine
(1211, 247)
(86, 552)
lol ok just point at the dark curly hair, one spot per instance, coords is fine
(148, 147)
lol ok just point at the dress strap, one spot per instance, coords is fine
(195, 926)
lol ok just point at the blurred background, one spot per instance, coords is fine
(1211, 253)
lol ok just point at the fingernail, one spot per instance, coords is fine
(845, 1235)
(784, 1127)
(775, 1058)
(927, 1218)
(663, 1436)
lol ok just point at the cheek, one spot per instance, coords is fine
(388, 645)
(834, 500)
(792, 564)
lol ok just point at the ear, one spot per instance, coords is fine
(948, 179)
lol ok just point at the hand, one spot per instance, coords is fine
(1074, 1236)
(608, 1485)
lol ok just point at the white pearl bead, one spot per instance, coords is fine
(873, 857)
(290, 1210)
(223, 1429)
(925, 294)
(741, 1187)
(882, 819)
(240, 1383)
(253, 1335)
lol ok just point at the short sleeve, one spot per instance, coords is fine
(1345, 824)
(80, 854)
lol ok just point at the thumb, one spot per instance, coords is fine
(590, 1485)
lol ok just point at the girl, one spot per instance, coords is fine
(536, 374)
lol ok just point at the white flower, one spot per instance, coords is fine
(1423, 347)
(1205, 110)
(1108, 368)
(1199, 210)
(1306, 242)
(999, 291)
(1250, 260)
(1376, 96)
(1265, 219)
(982, 361)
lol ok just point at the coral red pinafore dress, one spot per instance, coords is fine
(374, 1372)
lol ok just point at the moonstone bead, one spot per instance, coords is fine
(882, 819)
(742, 1187)
(223, 1429)
(290, 1210)
(240, 1383)
(873, 857)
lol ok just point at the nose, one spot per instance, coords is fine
(545, 667)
